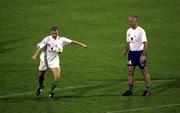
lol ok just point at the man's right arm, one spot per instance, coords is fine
(39, 47)
(34, 56)
(126, 49)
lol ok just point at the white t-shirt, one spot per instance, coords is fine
(136, 37)
(49, 47)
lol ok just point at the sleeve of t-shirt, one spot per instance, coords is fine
(143, 36)
(127, 36)
(42, 43)
(66, 41)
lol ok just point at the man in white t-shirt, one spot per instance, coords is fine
(51, 46)
(136, 47)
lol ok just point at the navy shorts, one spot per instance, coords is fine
(134, 57)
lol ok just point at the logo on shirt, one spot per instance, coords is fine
(131, 38)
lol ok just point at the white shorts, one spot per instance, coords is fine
(44, 64)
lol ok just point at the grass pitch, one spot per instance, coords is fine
(92, 79)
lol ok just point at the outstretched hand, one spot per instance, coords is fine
(142, 59)
(124, 52)
(33, 57)
(84, 46)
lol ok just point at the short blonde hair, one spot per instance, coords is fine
(53, 28)
(134, 16)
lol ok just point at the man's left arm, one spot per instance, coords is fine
(143, 54)
(79, 43)
(144, 49)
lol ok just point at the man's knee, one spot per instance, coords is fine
(41, 73)
(41, 77)
(57, 77)
(144, 72)
(130, 72)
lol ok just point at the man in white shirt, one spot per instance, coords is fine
(136, 47)
(51, 46)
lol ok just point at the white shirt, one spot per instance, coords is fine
(136, 37)
(49, 47)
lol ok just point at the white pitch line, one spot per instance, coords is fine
(15, 94)
(166, 80)
(145, 108)
(31, 92)
(72, 87)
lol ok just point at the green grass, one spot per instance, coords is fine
(100, 69)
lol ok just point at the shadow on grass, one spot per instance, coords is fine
(85, 92)
(74, 93)
(166, 86)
